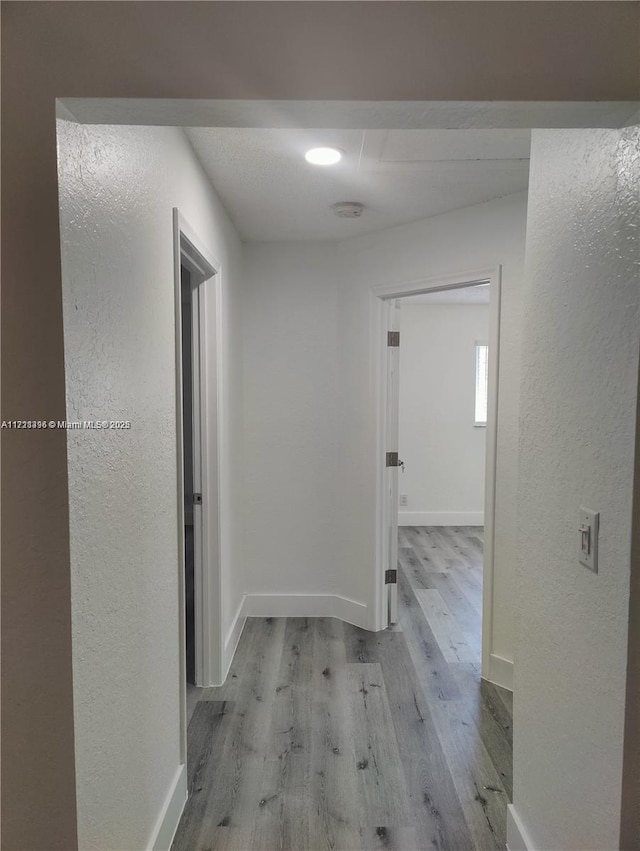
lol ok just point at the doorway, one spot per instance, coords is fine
(387, 312)
(197, 296)
(188, 417)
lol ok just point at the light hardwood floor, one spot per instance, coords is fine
(326, 736)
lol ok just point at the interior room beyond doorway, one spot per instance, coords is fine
(443, 402)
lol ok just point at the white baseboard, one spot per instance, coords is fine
(440, 518)
(169, 817)
(517, 837)
(232, 638)
(306, 606)
(500, 672)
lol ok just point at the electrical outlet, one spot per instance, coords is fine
(404, 499)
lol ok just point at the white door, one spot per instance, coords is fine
(392, 460)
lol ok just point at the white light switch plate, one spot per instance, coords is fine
(588, 529)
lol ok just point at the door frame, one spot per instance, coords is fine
(381, 298)
(189, 250)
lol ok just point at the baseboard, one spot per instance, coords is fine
(441, 518)
(232, 638)
(169, 818)
(306, 606)
(500, 672)
(517, 837)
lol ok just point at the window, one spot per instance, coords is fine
(482, 378)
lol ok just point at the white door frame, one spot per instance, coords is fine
(381, 297)
(205, 268)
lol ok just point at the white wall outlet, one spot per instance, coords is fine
(588, 529)
(404, 500)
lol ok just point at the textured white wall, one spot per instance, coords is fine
(443, 451)
(578, 410)
(310, 402)
(117, 189)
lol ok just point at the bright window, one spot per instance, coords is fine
(482, 379)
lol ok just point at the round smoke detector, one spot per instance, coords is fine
(348, 209)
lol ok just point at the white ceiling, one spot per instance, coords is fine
(463, 295)
(272, 193)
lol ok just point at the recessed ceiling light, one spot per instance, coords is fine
(323, 156)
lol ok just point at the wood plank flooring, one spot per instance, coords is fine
(326, 736)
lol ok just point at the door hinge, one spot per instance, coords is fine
(197, 499)
(393, 338)
(391, 577)
(392, 459)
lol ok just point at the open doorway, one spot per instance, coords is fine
(450, 373)
(197, 313)
(190, 493)
(442, 419)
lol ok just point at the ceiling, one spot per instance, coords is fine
(271, 193)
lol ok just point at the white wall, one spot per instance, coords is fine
(578, 418)
(293, 527)
(310, 399)
(117, 189)
(443, 450)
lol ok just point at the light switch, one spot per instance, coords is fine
(588, 540)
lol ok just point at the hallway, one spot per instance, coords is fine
(326, 736)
